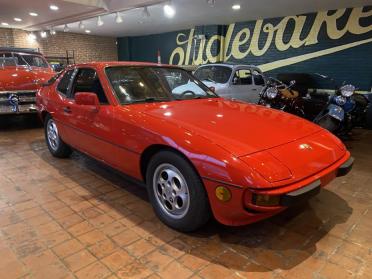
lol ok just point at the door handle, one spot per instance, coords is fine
(67, 109)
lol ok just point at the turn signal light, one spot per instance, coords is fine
(223, 194)
(265, 200)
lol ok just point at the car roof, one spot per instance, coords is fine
(104, 64)
(20, 50)
(230, 65)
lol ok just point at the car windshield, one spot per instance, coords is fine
(218, 74)
(30, 60)
(150, 84)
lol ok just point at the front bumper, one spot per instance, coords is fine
(346, 167)
(243, 209)
(17, 102)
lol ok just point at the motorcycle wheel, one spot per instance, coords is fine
(329, 123)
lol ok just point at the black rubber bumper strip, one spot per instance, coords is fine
(300, 195)
(345, 167)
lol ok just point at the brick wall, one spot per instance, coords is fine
(87, 47)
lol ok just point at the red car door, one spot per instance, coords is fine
(59, 102)
(89, 131)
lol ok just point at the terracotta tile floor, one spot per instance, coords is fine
(75, 218)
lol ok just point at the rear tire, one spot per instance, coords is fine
(176, 192)
(54, 142)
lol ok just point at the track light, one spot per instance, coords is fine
(43, 34)
(81, 25)
(211, 2)
(99, 21)
(31, 37)
(118, 18)
(145, 12)
(65, 28)
(169, 10)
(52, 31)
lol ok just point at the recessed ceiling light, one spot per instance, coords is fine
(33, 14)
(53, 7)
(17, 19)
(169, 10)
(236, 7)
(87, 31)
(5, 23)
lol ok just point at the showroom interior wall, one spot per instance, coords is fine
(335, 43)
(87, 47)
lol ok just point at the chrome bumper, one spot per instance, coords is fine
(17, 102)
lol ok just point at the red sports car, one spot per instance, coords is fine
(199, 155)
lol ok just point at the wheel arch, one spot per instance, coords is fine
(151, 150)
(43, 115)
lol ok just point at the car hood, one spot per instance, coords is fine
(216, 85)
(20, 78)
(239, 128)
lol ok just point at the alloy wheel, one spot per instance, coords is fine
(171, 191)
(52, 133)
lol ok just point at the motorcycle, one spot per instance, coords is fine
(338, 113)
(335, 115)
(278, 95)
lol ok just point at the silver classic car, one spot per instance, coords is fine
(242, 82)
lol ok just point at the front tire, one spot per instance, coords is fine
(54, 142)
(176, 192)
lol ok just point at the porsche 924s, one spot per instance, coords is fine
(199, 155)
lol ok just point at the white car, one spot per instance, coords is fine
(241, 82)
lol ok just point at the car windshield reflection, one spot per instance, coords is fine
(153, 84)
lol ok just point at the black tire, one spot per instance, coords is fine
(198, 210)
(59, 148)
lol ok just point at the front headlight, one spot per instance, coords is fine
(271, 92)
(340, 100)
(347, 90)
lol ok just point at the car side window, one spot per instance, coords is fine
(242, 77)
(258, 78)
(63, 84)
(87, 80)
(6, 59)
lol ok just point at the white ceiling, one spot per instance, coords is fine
(189, 13)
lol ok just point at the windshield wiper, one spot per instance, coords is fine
(149, 99)
(208, 79)
(192, 98)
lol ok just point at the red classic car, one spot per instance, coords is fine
(197, 153)
(22, 72)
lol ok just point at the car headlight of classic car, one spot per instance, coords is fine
(271, 92)
(347, 90)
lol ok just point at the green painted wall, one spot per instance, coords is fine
(335, 43)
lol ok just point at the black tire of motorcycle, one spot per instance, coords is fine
(329, 123)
